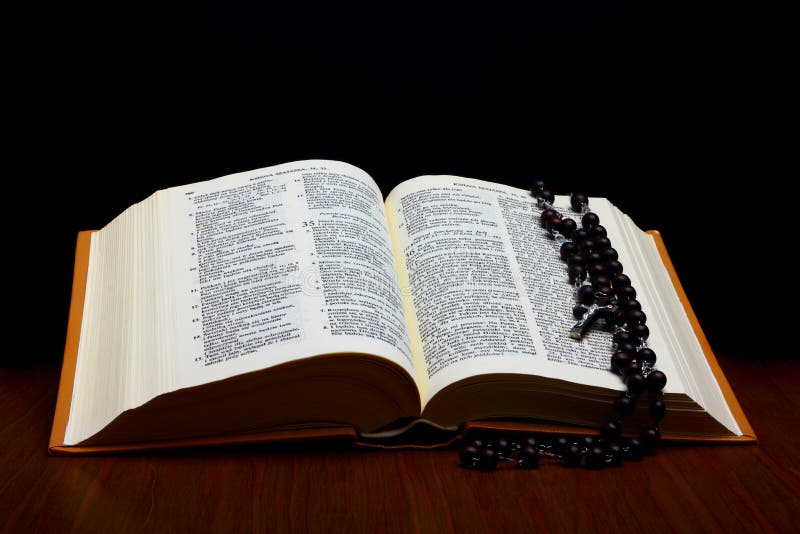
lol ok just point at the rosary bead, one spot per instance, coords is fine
(579, 236)
(636, 317)
(596, 458)
(567, 250)
(624, 405)
(635, 382)
(621, 360)
(590, 219)
(594, 258)
(610, 254)
(657, 410)
(626, 293)
(529, 457)
(619, 318)
(578, 201)
(547, 195)
(656, 381)
(630, 305)
(614, 267)
(587, 246)
(530, 441)
(627, 346)
(611, 431)
(650, 437)
(646, 355)
(561, 445)
(502, 445)
(587, 442)
(572, 456)
(576, 272)
(597, 232)
(602, 244)
(488, 459)
(596, 271)
(546, 215)
(634, 450)
(468, 454)
(622, 336)
(568, 226)
(614, 454)
(620, 280)
(576, 259)
(538, 187)
(641, 331)
(586, 295)
(599, 281)
(477, 442)
(554, 224)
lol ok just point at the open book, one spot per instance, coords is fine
(293, 300)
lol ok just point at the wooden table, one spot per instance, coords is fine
(313, 488)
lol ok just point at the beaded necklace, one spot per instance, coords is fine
(603, 293)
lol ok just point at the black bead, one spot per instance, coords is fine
(529, 457)
(572, 456)
(627, 346)
(633, 449)
(562, 442)
(614, 267)
(468, 455)
(614, 454)
(594, 258)
(546, 215)
(547, 195)
(626, 293)
(621, 361)
(650, 437)
(656, 381)
(600, 280)
(576, 259)
(624, 405)
(646, 355)
(629, 305)
(610, 254)
(602, 244)
(635, 317)
(596, 270)
(657, 410)
(501, 445)
(596, 458)
(586, 295)
(619, 318)
(576, 272)
(579, 236)
(477, 442)
(568, 226)
(487, 461)
(531, 441)
(622, 336)
(578, 201)
(636, 383)
(587, 246)
(611, 431)
(554, 224)
(587, 441)
(641, 331)
(567, 250)
(620, 280)
(597, 232)
(590, 219)
(537, 188)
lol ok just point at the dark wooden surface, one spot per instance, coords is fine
(699, 488)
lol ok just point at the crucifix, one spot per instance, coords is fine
(601, 308)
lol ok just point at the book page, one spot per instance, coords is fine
(484, 287)
(283, 263)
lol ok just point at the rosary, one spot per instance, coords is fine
(605, 294)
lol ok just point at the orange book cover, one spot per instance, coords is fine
(64, 399)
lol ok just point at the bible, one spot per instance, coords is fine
(295, 302)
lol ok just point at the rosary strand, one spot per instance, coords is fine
(603, 293)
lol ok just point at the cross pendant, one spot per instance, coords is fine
(602, 309)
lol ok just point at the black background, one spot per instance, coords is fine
(661, 106)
